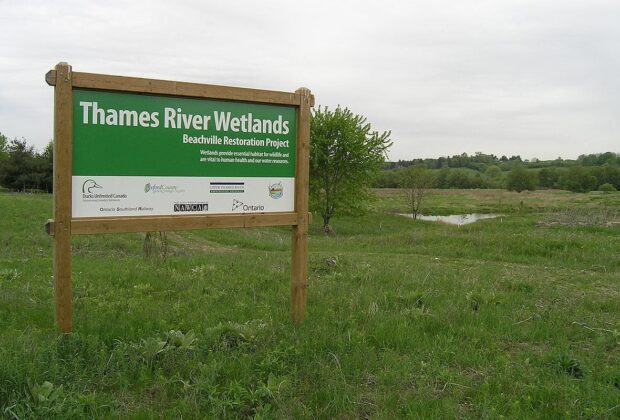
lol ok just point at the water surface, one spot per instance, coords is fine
(454, 219)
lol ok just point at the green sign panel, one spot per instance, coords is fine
(123, 134)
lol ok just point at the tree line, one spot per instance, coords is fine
(479, 161)
(347, 157)
(587, 173)
(22, 168)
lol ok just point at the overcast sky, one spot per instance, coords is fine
(530, 77)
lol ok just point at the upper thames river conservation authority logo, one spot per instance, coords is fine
(276, 190)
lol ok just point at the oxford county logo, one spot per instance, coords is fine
(88, 186)
(276, 190)
(161, 188)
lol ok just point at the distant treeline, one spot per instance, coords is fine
(22, 168)
(586, 173)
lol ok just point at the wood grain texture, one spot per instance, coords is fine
(63, 133)
(88, 226)
(195, 90)
(166, 87)
(299, 253)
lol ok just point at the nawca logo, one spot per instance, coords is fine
(88, 185)
(276, 190)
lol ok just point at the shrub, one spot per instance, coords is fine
(607, 187)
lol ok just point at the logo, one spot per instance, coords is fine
(88, 185)
(276, 190)
(161, 188)
(187, 207)
(226, 187)
(89, 193)
(236, 204)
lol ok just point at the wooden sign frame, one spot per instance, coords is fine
(63, 225)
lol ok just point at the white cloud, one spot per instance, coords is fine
(536, 78)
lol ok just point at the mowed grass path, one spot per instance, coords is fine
(517, 316)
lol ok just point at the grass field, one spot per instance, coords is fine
(517, 316)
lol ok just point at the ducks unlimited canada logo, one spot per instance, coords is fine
(276, 190)
(90, 193)
(88, 185)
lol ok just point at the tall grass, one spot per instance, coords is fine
(408, 319)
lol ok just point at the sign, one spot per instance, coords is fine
(144, 155)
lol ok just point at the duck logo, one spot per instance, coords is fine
(276, 190)
(88, 185)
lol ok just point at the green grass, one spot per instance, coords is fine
(517, 317)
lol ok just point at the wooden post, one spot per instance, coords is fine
(299, 253)
(63, 133)
(62, 226)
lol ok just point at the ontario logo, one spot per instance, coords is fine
(88, 186)
(276, 190)
(236, 204)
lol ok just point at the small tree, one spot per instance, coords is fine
(417, 182)
(519, 179)
(345, 154)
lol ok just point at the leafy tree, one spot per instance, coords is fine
(417, 182)
(494, 176)
(387, 179)
(464, 178)
(548, 177)
(578, 179)
(19, 165)
(606, 174)
(598, 159)
(4, 142)
(441, 180)
(345, 154)
(22, 168)
(45, 168)
(519, 179)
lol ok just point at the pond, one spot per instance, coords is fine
(455, 219)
